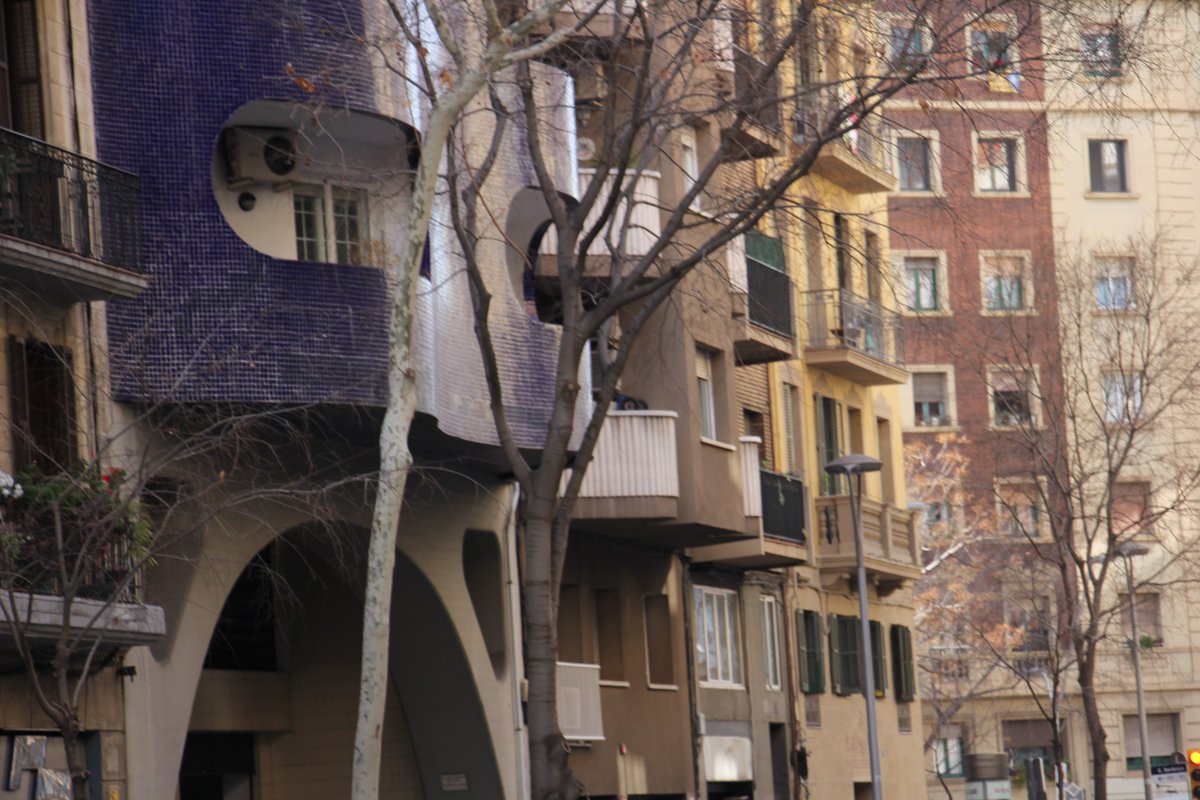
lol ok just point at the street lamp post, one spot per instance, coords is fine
(853, 466)
(1128, 550)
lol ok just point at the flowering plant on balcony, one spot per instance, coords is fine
(79, 532)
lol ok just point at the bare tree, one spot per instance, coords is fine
(777, 90)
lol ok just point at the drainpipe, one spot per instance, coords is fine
(689, 646)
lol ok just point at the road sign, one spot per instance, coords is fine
(1170, 780)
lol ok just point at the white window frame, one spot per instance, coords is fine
(771, 650)
(1038, 527)
(997, 81)
(934, 157)
(1020, 184)
(900, 258)
(1030, 374)
(988, 273)
(689, 164)
(327, 194)
(706, 406)
(1124, 397)
(909, 415)
(948, 755)
(1114, 269)
(726, 646)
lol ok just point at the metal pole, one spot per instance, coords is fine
(864, 632)
(1137, 680)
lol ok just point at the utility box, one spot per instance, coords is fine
(987, 776)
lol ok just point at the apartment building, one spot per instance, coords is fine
(1019, 237)
(707, 624)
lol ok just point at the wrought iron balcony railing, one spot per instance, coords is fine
(839, 319)
(756, 92)
(59, 199)
(782, 506)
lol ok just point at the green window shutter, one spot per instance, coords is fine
(849, 662)
(902, 663)
(878, 659)
(803, 651)
(836, 675)
(766, 250)
(815, 656)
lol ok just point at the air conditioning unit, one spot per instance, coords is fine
(260, 154)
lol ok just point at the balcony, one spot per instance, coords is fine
(70, 227)
(756, 94)
(762, 300)
(861, 161)
(634, 473)
(598, 19)
(890, 546)
(641, 230)
(775, 510)
(854, 338)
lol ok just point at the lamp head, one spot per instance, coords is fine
(853, 464)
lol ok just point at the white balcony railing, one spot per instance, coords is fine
(579, 715)
(642, 229)
(635, 457)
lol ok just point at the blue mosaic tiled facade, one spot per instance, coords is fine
(222, 321)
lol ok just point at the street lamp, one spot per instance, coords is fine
(853, 466)
(1128, 550)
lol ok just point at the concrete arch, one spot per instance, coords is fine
(525, 226)
(454, 713)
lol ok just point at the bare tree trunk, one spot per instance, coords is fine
(550, 777)
(395, 460)
(1095, 726)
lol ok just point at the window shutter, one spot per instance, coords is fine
(766, 250)
(902, 663)
(802, 650)
(929, 387)
(836, 674)
(878, 658)
(1096, 165)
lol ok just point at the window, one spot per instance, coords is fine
(1148, 608)
(1004, 283)
(1100, 46)
(1162, 737)
(996, 165)
(791, 411)
(902, 664)
(1122, 398)
(606, 630)
(991, 48)
(845, 669)
(41, 405)
(660, 662)
(718, 637)
(1129, 509)
(878, 658)
(689, 163)
(921, 279)
(20, 69)
(1019, 511)
(704, 386)
(831, 435)
(331, 224)
(1029, 738)
(812, 657)
(1030, 617)
(1106, 162)
(939, 515)
(948, 752)
(1012, 404)
(915, 167)
(909, 47)
(771, 642)
(1114, 283)
(951, 661)
(929, 399)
